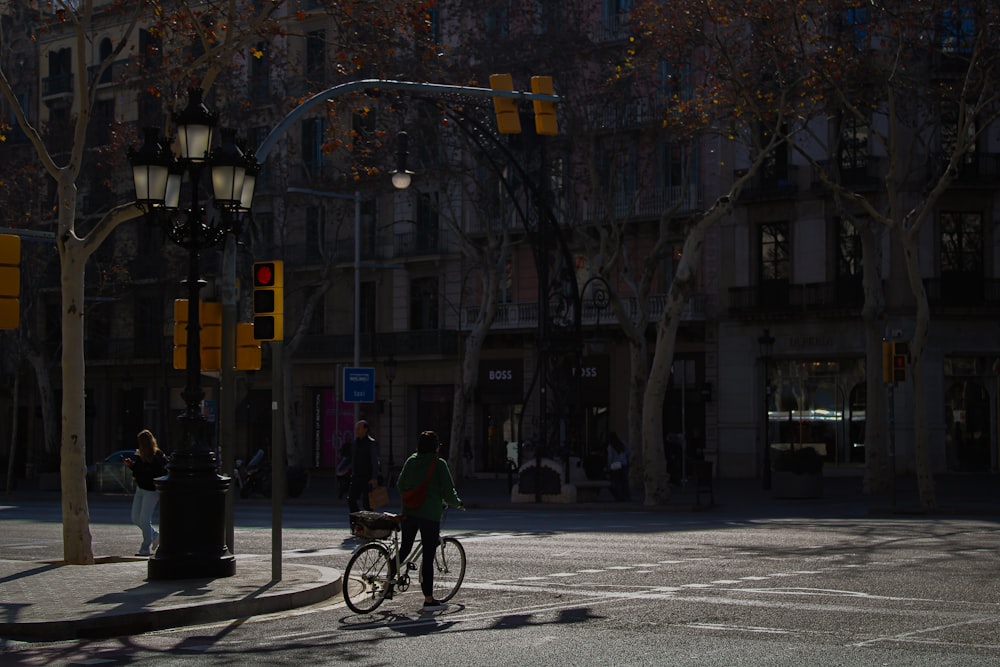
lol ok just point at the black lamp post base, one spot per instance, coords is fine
(192, 526)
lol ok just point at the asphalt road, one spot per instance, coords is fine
(562, 587)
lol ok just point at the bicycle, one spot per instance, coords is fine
(367, 575)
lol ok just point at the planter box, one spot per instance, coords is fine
(786, 484)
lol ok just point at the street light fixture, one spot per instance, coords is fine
(390, 375)
(192, 508)
(766, 342)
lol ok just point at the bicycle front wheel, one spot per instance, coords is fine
(449, 568)
(366, 578)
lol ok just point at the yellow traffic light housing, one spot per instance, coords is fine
(895, 361)
(508, 120)
(10, 281)
(900, 361)
(268, 300)
(248, 354)
(209, 336)
(545, 112)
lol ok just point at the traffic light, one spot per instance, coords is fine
(248, 355)
(508, 120)
(10, 281)
(209, 336)
(268, 300)
(545, 112)
(900, 360)
(895, 361)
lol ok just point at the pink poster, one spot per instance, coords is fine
(336, 426)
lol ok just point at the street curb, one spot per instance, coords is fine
(105, 625)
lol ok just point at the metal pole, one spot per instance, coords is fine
(357, 291)
(766, 477)
(227, 380)
(278, 464)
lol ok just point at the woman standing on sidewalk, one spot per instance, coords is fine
(150, 464)
(424, 469)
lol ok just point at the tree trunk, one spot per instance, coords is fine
(921, 422)
(77, 547)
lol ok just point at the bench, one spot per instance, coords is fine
(589, 491)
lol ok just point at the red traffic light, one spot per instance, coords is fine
(263, 274)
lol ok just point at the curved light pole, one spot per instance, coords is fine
(192, 509)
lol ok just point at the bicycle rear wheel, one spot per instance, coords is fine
(366, 578)
(449, 568)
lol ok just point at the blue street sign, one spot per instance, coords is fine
(359, 385)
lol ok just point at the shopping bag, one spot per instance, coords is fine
(378, 497)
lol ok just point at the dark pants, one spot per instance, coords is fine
(619, 484)
(430, 534)
(357, 496)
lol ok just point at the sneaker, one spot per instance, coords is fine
(143, 553)
(434, 605)
(156, 541)
(388, 593)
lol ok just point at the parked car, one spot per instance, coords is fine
(112, 475)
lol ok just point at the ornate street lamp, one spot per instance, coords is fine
(192, 508)
(766, 342)
(390, 375)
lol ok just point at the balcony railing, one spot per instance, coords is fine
(432, 242)
(340, 347)
(646, 203)
(59, 84)
(835, 297)
(524, 314)
(113, 74)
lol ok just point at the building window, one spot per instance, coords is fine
(312, 146)
(957, 29)
(854, 147)
(427, 221)
(961, 257)
(775, 264)
(678, 174)
(260, 85)
(854, 24)
(316, 55)
(849, 250)
(424, 304)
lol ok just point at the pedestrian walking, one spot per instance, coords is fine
(149, 463)
(426, 486)
(365, 467)
(618, 461)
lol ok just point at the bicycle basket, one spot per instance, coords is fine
(373, 525)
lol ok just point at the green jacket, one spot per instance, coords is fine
(440, 486)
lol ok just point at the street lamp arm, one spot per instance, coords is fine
(386, 84)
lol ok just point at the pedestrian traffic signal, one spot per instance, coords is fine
(268, 300)
(10, 281)
(900, 360)
(895, 361)
(545, 112)
(508, 120)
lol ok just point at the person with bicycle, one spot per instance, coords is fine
(426, 487)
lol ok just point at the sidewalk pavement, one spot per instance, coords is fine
(50, 601)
